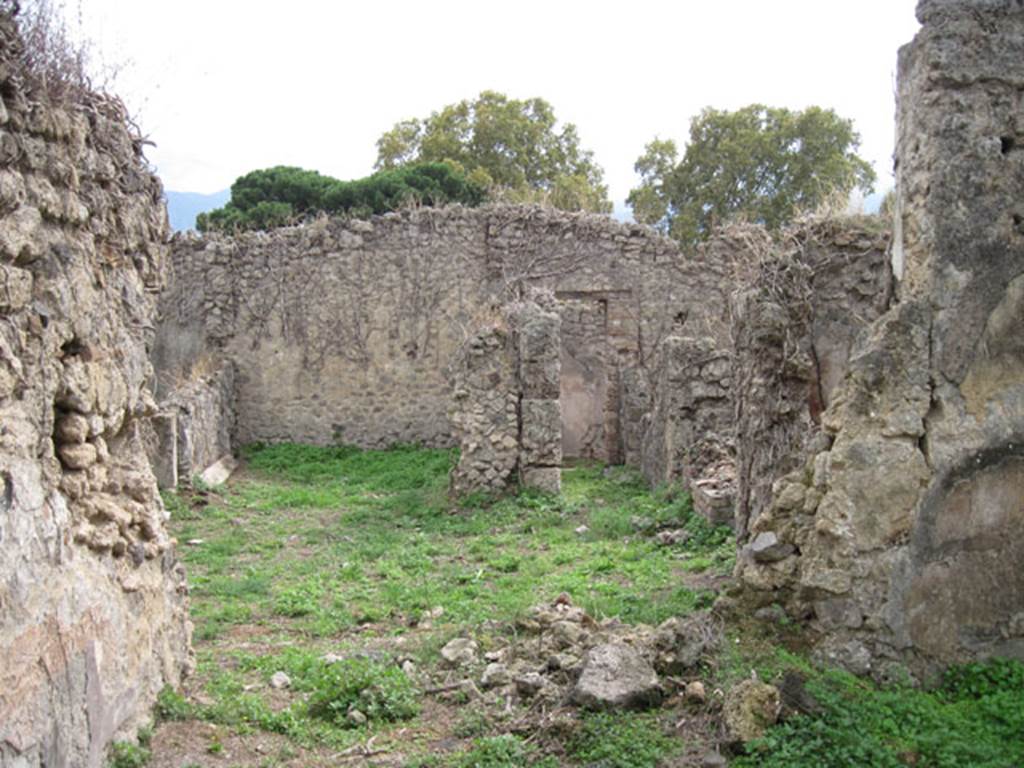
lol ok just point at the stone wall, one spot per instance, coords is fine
(902, 539)
(690, 424)
(505, 401)
(734, 408)
(93, 617)
(341, 331)
(796, 313)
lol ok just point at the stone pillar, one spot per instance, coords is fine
(164, 454)
(505, 410)
(539, 357)
(484, 412)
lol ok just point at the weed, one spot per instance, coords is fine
(379, 691)
(300, 599)
(504, 751)
(124, 754)
(975, 719)
(171, 705)
(472, 723)
(621, 741)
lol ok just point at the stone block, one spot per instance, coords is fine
(547, 479)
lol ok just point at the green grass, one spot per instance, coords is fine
(382, 692)
(505, 751)
(376, 539)
(309, 549)
(976, 718)
(315, 549)
(622, 741)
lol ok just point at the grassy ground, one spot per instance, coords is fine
(310, 551)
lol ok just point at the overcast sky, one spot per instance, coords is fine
(227, 87)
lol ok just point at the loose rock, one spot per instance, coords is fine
(460, 652)
(616, 676)
(751, 707)
(495, 675)
(280, 680)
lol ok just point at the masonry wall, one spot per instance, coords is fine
(343, 331)
(797, 312)
(93, 618)
(901, 539)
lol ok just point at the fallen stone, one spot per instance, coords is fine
(681, 643)
(713, 760)
(616, 676)
(751, 706)
(459, 652)
(530, 683)
(495, 675)
(567, 633)
(695, 692)
(218, 472)
(355, 718)
(280, 680)
(773, 613)
(673, 537)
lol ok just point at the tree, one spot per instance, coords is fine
(506, 144)
(761, 163)
(273, 197)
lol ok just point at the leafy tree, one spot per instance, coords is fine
(763, 163)
(503, 143)
(276, 196)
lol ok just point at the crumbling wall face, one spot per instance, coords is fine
(802, 300)
(505, 408)
(903, 539)
(92, 598)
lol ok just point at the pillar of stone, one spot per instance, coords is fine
(538, 336)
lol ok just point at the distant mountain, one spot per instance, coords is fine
(183, 207)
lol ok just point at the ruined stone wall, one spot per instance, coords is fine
(902, 540)
(92, 598)
(690, 424)
(796, 313)
(733, 408)
(341, 331)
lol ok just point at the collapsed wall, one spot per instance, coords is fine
(93, 618)
(902, 538)
(343, 330)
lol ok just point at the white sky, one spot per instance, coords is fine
(227, 87)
